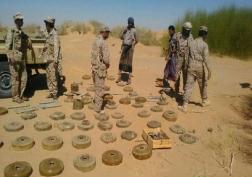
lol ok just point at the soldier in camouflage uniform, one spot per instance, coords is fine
(52, 54)
(198, 64)
(100, 64)
(183, 40)
(17, 43)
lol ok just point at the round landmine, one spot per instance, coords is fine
(154, 124)
(162, 103)
(144, 113)
(52, 143)
(51, 167)
(128, 89)
(91, 89)
(105, 125)
(3, 110)
(142, 151)
(121, 84)
(188, 139)
(112, 157)
(170, 116)
(111, 78)
(108, 137)
(81, 141)
(128, 135)
(28, 115)
(111, 104)
(102, 116)
(42, 126)
(87, 100)
(78, 116)
(125, 100)
(64, 126)
(117, 115)
(23, 143)
(177, 129)
(69, 98)
(123, 123)
(14, 126)
(85, 125)
(107, 97)
(78, 104)
(106, 88)
(133, 94)
(140, 99)
(91, 106)
(1, 143)
(156, 109)
(57, 115)
(84, 162)
(137, 105)
(86, 77)
(18, 169)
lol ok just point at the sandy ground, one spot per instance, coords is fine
(201, 159)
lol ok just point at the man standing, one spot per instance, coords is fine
(198, 63)
(170, 68)
(17, 43)
(52, 54)
(129, 40)
(183, 40)
(100, 64)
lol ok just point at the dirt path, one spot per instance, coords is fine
(201, 159)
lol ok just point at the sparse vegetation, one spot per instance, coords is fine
(229, 28)
(81, 28)
(96, 26)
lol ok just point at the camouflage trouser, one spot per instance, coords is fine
(60, 69)
(18, 79)
(51, 78)
(99, 83)
(196, 73)
(181, 66)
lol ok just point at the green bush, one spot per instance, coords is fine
(147, 37)
(229, 29)
(117, 31)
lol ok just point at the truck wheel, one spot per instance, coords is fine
(5, 84)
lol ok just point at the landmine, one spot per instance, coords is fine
(78, 104)
(108, 137)
(51, 167)
(81, 141)
(112, 157)
(14, 126)
(105, 125)
(123, 123)
(23, 143)
(170, 115)
(57, 116)
(28, 115)
(128, 135)
(78, 116)
(84, 162)
(85, 125)
(42, 126)
(52, 143)
(65, 126)
(142, 151)
(18, 169)
(156, 138)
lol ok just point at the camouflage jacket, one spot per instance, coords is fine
(183, 45)
(100, 56)
(199, 53)
(172, 47)
(52, 50)
(17, 42)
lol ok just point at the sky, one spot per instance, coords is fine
(154, 14)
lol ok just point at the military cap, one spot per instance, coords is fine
(49, 20)
(18, 16)
(187, 25)
(105, 29)
(203, 28)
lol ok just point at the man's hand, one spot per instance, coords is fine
(55, 65)
(107, 65)
(12, 61)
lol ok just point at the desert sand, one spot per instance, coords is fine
(209, 157)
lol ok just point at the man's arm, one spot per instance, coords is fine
(106, 54)
(8, 41)
(206, 60)
(56, 44)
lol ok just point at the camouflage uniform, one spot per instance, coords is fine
(17, 42)
(198, 60)
(182, 59)
(99, 59)
(52, 55)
